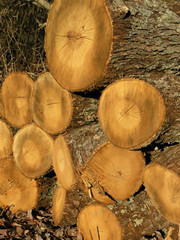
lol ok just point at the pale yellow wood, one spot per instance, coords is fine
(33, 151)
(2, 110)
(98, 223)
(51, 104)
(163, 187)
(131, 113)
(114, 171)
(100, 196)
(62, 163)
(58, 205)
(16, 191)
(16, 91)
(6, 140)
(78, 42)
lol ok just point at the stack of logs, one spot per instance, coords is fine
(131, 113)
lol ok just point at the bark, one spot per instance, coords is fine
(146, 46)
(169, 158)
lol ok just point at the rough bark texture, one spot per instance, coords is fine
(146, 46)
(169, 158)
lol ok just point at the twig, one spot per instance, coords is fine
(168, 237)
(43, 3)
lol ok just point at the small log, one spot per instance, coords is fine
(51, 104)
(6, 140)
(131, 113)
(162, 182)
(16, 92)
(113, 173)
(33, 151)
(63, 164)
(16, 191)
(58, 205)
(98, 222)
(2, 110)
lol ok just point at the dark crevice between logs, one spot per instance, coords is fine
(150, 236)
(159, 146)
(154, 147)
(141, 189)
(109, 196)
(95, 93)
(49, 174)
(147, 156)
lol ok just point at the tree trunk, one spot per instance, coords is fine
(146, 46)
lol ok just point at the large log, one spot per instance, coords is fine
(146, 46)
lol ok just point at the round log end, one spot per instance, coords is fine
(58, 205)
(131, 113)
(33, 151)
(78, 42)
(98, 222)
(163, 187)
(6, 140)
(52, 106)
(62, 163)
(16, 191)
(16, 92)
(114, 173)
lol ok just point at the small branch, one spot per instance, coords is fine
(119, 8)
(43, 3)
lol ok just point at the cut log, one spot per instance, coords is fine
(162, 182)
(51, 104)
(62, 163)
(6, 140)
(16, 191)
(78, 42)
(58, 205)
(163, 187)
(131, 113)
(98, 222)
(33, 151)
(2, 110)
(117, 173)
(16, 91)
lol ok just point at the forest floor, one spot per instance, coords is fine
(38, 225)
(32, 225)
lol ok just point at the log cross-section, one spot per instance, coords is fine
(78, 42)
